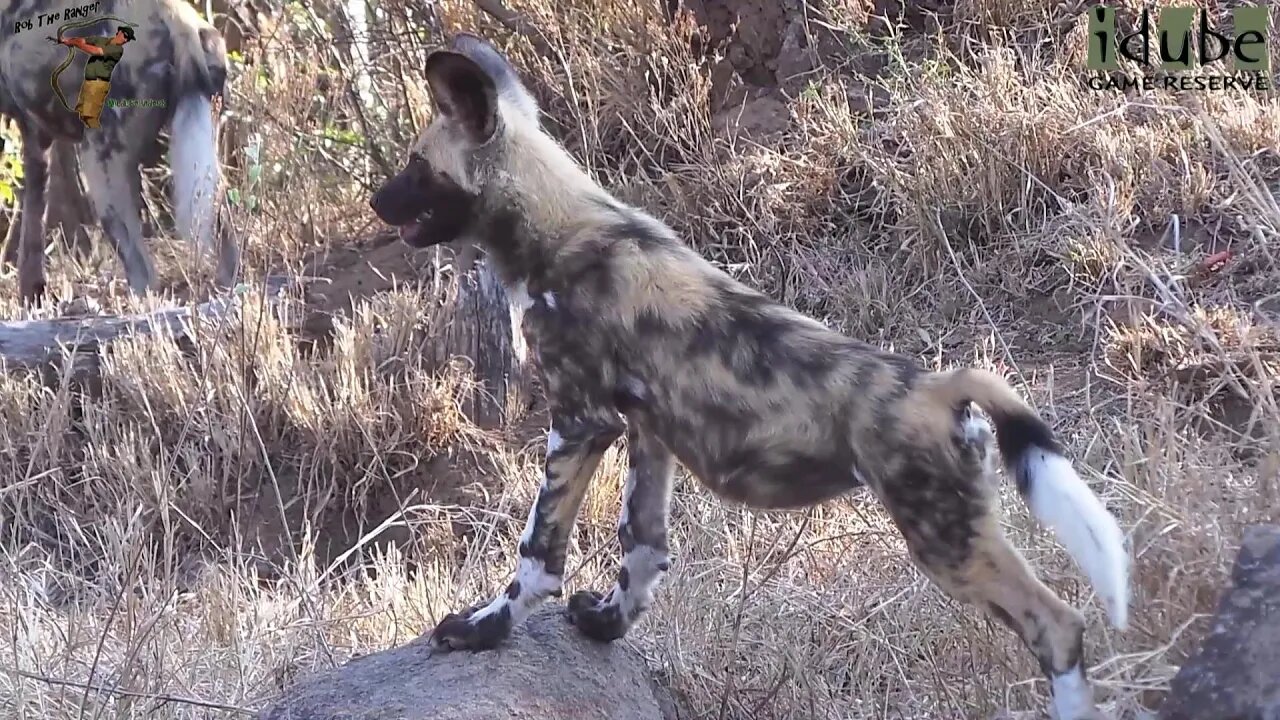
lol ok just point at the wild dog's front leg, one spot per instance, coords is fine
(30, 234)
(107, 167)
(642, 533)
(574, 449)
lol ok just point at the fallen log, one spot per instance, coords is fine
(49, 344)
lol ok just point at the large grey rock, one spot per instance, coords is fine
(546, 669)
(1236, 673)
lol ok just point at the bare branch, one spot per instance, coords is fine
(518, 24)
(162, 697)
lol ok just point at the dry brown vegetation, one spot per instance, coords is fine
(950, 188)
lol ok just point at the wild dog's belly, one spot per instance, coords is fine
(777, 475)
(790, 482)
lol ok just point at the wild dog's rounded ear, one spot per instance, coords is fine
(464, 92)
(486, 56)
(500, 69)
(467, 43)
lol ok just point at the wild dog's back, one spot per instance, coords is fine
(766, 405)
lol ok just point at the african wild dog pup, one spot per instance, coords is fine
(166, 59)
(636, 333)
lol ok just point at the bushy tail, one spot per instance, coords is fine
(1049, 485)
(196, 176)
(201, 72)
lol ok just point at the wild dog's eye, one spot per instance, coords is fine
(418, 168)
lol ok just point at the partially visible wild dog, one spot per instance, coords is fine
(637, 334)
(174, 56)
(236, 21)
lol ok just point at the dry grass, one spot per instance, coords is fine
(991, 210)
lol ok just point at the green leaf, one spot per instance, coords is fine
(343, 135)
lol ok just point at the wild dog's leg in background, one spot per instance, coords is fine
(68, 207)
(228, 250)
(35, 169)
(642, 533)
(228, 268)
(578, 439)
(948, 512)
(107, 165)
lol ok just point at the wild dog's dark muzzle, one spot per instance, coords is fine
(426, 213)
(397, 202)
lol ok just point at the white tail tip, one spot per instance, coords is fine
(196, 175)
(1061, 500)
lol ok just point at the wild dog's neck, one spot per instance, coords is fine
(553, 190)
(541, 203)
(509, 242)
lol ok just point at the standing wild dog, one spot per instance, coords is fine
(156, 66)
(636, 334)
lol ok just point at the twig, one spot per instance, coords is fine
(737, 620)
(773, 690)
(164, 697)
(748, 592)
(518, 24)
(955, 261)
(393, 520)
(111, 616)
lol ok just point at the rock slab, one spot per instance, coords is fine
(1236, 673)
(546, 669)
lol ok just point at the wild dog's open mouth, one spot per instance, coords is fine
(440, 221)
(411, 231)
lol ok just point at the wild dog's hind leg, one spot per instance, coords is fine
(642, 533)
(26, 236)
(69, 210)
(107, 165)
(948, 512)
(996, 576)
(12, 236)
(575, 445)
